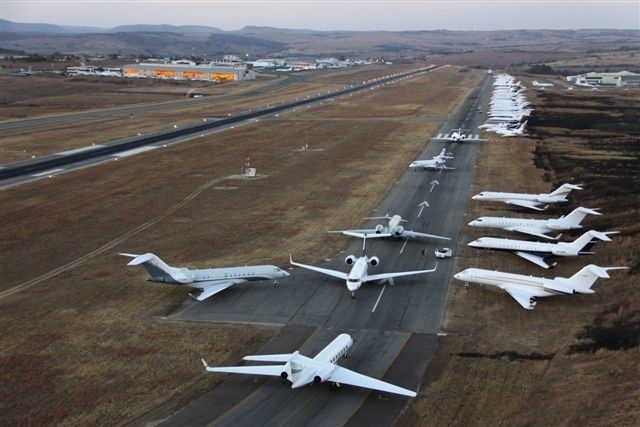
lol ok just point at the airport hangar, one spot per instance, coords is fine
(206, 72)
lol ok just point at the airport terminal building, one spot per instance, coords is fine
(191, 71)
(621, 79)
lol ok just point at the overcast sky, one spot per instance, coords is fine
(358, 15)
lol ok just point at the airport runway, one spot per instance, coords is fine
(24, 171)
(394, 327)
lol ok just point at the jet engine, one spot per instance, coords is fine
(379, 229)
(323, 374)
(545, 198)
(350, 260)
(373, 261)
(555, 224)
(564, 252)
(398, 231)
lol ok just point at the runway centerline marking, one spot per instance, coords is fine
(378, 300)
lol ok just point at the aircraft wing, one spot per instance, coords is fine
(213, 287)
(369, 234)
(524, 297)
(381, 276)
(271, 357)
(536, 259)
(328, 272)
(415, 235)
(526, 204)
(345, 376)
(270, 370)
(533, 232)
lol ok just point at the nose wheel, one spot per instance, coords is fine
(353, 295)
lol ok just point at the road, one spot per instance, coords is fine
(394, 327)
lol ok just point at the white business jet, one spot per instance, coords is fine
(507, 132)
(525, 289)
(359, 270)
(302, 370)
(537, 227)
(393, 228)
(437, 162)
(538, 252)
(531, 201)
(209, 281)
(457, 136)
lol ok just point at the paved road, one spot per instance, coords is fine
(394, 327)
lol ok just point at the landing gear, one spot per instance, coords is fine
(353, 295)
(466, 285)
(276, 283)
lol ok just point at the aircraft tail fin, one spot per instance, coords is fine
(577, 215)
(158, 270)
(565, 189)
(585, 242)
(584, 279)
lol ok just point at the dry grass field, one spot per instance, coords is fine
(572, 360)
(83, 338)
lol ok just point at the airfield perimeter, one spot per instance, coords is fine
(85, 343)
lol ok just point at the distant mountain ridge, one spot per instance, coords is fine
(260, 41)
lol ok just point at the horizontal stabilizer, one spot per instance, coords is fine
(139, 259)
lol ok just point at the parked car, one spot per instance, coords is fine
(443, 253)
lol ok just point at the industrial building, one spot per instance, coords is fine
(621, 79)
(186, 70)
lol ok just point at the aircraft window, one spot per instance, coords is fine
(352, 280)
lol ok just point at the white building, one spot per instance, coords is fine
(621, 79)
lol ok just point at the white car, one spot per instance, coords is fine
(443, 253)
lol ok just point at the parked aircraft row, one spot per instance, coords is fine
(525, 289)
(509, 108)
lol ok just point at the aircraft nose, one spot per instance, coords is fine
(474, 244)
(476, 197)
(472, 223)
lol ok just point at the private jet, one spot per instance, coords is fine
(359, 270)
(437, 162)
(393, 228)
(531, 201)
(208, 281)
(537, 227)
(457, 135)
(302, 370)
(539, 252)
(525, 289)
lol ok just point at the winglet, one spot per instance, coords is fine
(206, 366)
